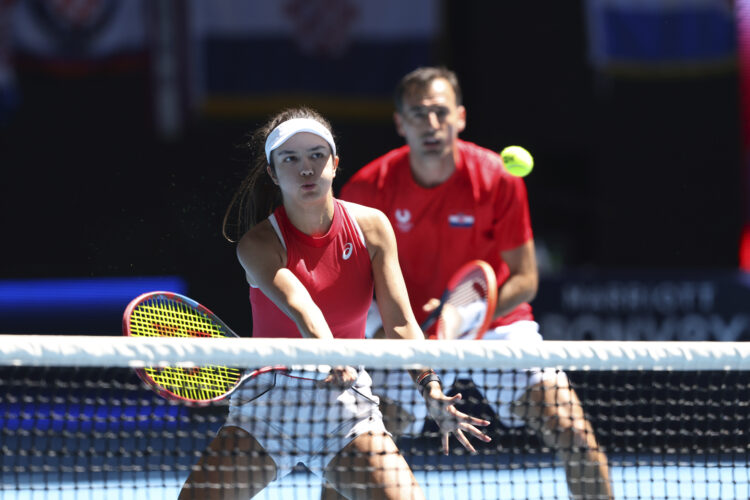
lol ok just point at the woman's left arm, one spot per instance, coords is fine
(399, 323)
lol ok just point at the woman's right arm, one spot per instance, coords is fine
(264, 259)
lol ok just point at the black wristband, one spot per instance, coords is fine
(432, 377)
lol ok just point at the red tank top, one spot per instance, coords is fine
(334, 268)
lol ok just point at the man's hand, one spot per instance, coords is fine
(449, 318)
(457, 320)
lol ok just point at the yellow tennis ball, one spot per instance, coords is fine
(517, 160)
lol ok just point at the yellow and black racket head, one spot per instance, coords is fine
(168, 314)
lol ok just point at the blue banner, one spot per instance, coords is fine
(341, 56)
(79, 31)
(75, 305)
(661, 37)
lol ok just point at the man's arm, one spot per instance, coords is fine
(523, 282)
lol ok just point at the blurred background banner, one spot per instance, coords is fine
(646, 305)
(742, 9)
(8, 85)
(75, 306)
(661, 37)
(339, 55)
(79, 35)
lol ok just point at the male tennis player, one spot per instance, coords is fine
(312, 263)
(451, 201)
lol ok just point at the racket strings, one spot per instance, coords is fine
(169, 318)
(200, 384)
(471, 290)
(162, 317)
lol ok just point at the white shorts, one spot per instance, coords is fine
(499, 388)
(298, 422)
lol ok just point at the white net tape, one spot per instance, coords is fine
(45, 350)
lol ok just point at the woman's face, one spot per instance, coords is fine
(304, 167)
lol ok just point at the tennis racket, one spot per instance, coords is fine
(468, 303)
(168, 314)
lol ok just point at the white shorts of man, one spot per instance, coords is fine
(500, 388)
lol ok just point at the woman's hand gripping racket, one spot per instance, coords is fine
(167, 314)
(468, 303)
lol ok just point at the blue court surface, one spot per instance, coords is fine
(706, 481)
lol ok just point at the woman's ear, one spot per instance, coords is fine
(271, 174)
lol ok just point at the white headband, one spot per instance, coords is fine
(285, 130)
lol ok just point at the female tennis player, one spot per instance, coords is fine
(312, 263)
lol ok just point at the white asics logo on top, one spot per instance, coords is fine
(403, 220)
(348, 248)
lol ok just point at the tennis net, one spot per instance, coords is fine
(661, 420)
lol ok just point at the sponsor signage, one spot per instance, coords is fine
(689, 306)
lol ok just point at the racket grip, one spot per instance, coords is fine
(426, 324)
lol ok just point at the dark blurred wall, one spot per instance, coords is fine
(631, 172)
(668, 174)
(526, 81)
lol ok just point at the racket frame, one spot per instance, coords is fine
(455, 280)
(142, 373)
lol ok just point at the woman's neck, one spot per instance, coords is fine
(313, 220)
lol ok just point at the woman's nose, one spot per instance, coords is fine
(306, 168)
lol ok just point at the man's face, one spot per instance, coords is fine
(430, 120)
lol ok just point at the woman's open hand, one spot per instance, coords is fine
(452, 421)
